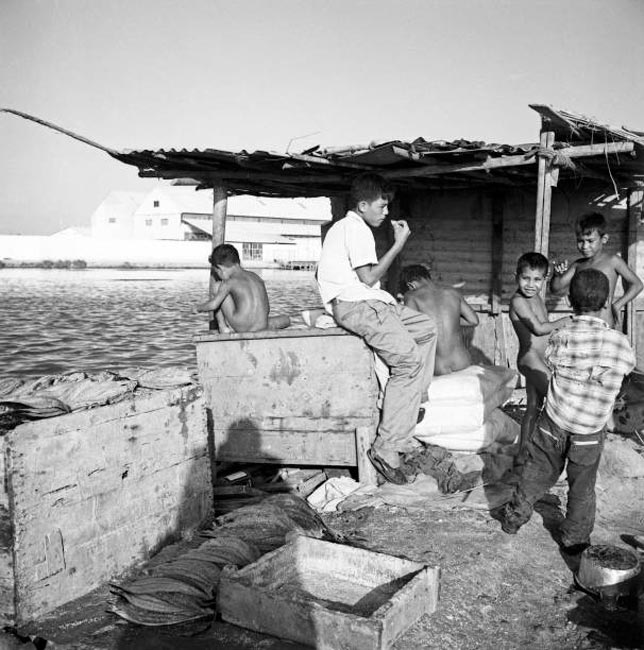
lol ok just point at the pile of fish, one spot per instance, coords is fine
(268, 523)
(185, 589)
(53, 395)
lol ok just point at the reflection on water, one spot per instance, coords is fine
(59, 321)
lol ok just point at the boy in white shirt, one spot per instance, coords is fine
(348, 277)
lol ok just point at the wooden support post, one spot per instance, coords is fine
(367, 474)
(219, 210)
(392, 278)
(546, 179)
(634, 210)
(500, 352)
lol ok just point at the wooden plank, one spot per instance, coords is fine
(286, 447)
(278, 378)
(305, 332)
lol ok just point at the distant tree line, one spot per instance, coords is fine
(47, 264)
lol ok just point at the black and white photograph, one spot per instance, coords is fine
(321, 324)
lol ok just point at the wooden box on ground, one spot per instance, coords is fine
(328, 595)
(89, 495)
(295, 396)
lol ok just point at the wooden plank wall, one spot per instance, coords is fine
(7, 593)
(98, 491)
(453, 230)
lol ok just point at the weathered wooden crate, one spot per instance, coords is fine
(295, 396)
(89, 495)
(328, 595)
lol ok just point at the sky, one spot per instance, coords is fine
(269, 74)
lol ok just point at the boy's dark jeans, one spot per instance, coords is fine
(550, 448)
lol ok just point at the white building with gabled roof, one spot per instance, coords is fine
(273, 231)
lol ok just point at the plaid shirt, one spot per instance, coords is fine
(588, 360)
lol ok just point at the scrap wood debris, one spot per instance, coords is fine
(184, 589)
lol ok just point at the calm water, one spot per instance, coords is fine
(59, 321)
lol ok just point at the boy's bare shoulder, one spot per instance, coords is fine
(245, 275)
(450, 291)
(517, 299)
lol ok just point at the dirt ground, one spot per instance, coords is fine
(497, 591)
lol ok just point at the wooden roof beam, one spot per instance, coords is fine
(510, 161)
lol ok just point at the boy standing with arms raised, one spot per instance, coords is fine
(348, 277)
(589, 361)
(591, 239)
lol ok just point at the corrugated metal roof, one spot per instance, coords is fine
(419, 164)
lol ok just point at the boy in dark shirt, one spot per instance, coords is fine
(588, 360)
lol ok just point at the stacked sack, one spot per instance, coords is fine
(462, 413)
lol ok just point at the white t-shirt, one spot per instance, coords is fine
(348, 244)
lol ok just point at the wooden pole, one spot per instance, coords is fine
(546, 179)
(219, 210)
(500, 348)
(634, 208)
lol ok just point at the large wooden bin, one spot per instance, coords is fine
(87, 496)
(329, 596)
(295, 396)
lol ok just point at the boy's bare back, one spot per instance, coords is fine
(237, 296)
(247, 311)
(446, 306)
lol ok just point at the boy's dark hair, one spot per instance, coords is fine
(535, 261)
(588, 291)
(591, 221)
(411, 273)
(369, 187)
(224, 255)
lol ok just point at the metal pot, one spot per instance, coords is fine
(605, 566)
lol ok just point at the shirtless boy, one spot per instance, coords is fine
(529, 318)
(591, 239)
(450, 311)
(237, 296)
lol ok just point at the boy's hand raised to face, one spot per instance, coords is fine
(401, 231)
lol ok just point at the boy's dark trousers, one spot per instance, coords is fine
(549, 451)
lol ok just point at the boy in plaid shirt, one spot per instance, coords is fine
(588, 360)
